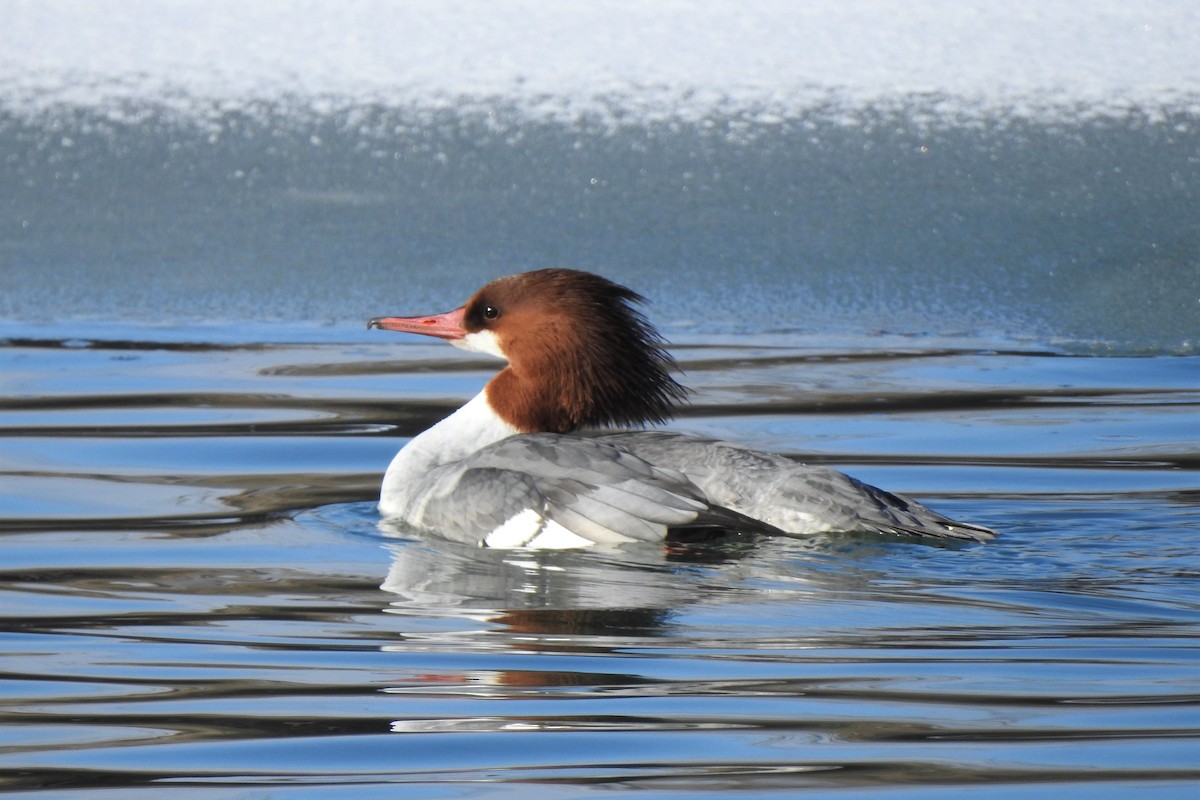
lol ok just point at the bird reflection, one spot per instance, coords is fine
(572, 593)
(593, 593)
(503, 612)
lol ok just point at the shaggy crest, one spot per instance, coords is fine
(580, 354)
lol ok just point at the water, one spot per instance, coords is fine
(197, 595)
(951, 250)
(1078, 230)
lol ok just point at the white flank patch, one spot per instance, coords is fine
(531, 529)
(556, 537)
(516, 531)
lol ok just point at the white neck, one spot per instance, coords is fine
(472, 427)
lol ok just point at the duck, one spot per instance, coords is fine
(559, 449)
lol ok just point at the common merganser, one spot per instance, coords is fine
(517, 467)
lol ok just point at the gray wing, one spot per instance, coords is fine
(796, 498)
(590, 487)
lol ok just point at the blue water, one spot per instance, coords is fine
(989, 308)
(198, 598)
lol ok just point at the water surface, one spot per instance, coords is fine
(198, 597)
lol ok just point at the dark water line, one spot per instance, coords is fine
(725, 776)
(874, 402)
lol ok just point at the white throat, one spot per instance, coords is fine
(480, 342)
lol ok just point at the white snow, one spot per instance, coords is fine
(603, 56)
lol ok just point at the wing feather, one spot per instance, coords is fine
(591, 488)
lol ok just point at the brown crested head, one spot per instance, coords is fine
(579, 353)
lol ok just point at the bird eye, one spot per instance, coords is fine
(490, 312)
